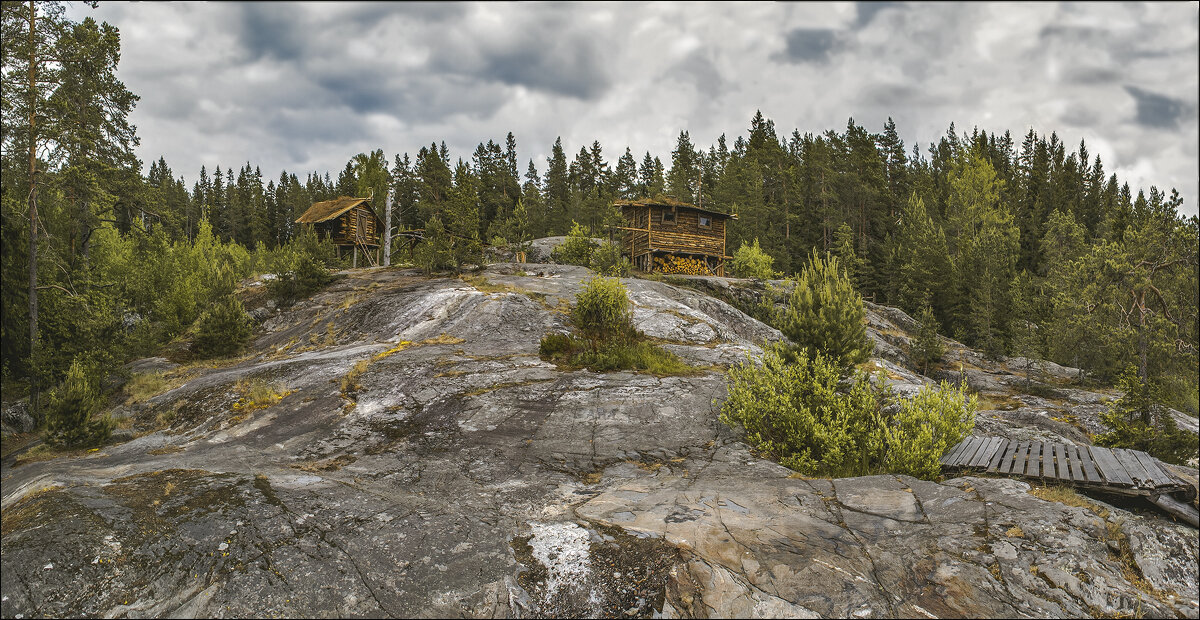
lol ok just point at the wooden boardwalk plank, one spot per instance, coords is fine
(951, 457)
(985, 453)
(1018, 464)
(964, 459)
(1005, 458)
(999, 455)
(1135, 469)
(1109, 467)
(1052, 461)
(1157, 475)
(1033, 465)
(984, 456)
(1089, 466)
(1062, 455)
(969, 447)
(1006, 464)
(1074, 467)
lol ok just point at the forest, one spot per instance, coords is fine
(1020, 246)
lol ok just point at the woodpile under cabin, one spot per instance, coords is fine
(349, 223)
(666, 235)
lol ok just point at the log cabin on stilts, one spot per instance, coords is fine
(662, 233)
(350, 223)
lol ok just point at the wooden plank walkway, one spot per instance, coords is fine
(1116, 470)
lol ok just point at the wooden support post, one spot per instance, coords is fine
(354, 264)
(387, 229)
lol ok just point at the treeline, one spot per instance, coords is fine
(1025, 248)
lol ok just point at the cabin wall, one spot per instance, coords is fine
(358, 226)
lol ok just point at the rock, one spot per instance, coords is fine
(150, 365)
(16, 417)
(422, 460)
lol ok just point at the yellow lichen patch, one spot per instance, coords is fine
(443, 338)
(332, 464)
(165, 450)
(1015, 532)
(1068, 496)
(400, 346)
(257, 394)
(349, 382)
(144, 386)
(501, 386)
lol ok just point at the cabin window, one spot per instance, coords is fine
(668, 216)
(705, 221)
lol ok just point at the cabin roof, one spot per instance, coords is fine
(329, 209)
(667, 201)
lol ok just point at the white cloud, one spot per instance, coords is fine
(306, 86)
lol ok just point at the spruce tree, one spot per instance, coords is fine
(826, 315)
(927, 347)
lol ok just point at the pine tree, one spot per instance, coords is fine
(927, 346)
(826, 315)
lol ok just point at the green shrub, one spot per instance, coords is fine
(70, 416)
(610, 342)
(301, 267)
(602, 311)
(927, 347)
(577, 249)
(641, 356)
(826, 315)
(750, 261)
(607, 260)
(1139, 422)
(791, 408)
(436, 251)
(925, 427)
(222, 330)
(797, 410)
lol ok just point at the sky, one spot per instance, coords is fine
(306, 86)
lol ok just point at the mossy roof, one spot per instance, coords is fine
(668, 201)
(329, 209)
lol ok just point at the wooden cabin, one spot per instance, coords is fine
(662, 227)
(350, 223)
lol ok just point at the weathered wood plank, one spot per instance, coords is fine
(1007, 465)
(968, 459)
(1114, 474)
(985, 453)
(1089, 467)
(1062, 459)
(1005, 457)
(1157, 475)
(966, 455)
(1011, 466)
(981, 452)
(1031, 462)
(1135, 469)
(1075, 468)
(951, 458)
(1018, 466)
(998, 457)
(1051, 461)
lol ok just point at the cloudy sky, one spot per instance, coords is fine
(306, 86)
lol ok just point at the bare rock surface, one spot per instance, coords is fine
(422, 460)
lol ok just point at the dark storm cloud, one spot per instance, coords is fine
(809, 44)
(1091, 75)
(1155, 110)
(698, 70)
(542, 57)
(868, 10)
(272, 31)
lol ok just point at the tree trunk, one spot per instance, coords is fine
(387, 229)
(33, 218)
